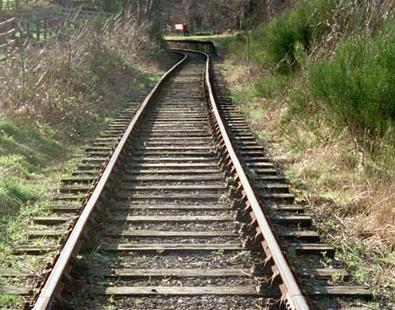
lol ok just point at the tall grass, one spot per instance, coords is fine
(70, 82)
(357, 84)
(61, 91)
(328, 103)
(275, 44)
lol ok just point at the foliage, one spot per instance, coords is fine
(276, 43)
(327, 106)
(55, 97)
(356, 85)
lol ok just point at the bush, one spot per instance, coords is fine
(15, 192)
(275, 43)
(271, 86)
(357, 85)
(72, 82)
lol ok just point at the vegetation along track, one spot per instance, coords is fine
(172, 221)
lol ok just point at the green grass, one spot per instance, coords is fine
(10, 300)
(25, 152)
(276, 44)
(320, 82)
(222, 41)
(357, 84)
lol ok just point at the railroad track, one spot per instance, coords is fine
(172, 219)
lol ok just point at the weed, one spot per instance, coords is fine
(160, 251)
(224, 199)
(282, 42)
(10, 301)
(220, 252)
(356, 86)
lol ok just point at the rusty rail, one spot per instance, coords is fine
(291, 293)
(53, 281)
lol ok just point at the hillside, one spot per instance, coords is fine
(316, 82)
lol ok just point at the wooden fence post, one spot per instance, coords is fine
(45, 28)
(38, 28)
(28, 30)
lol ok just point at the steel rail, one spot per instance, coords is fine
(53, 280)
(293, 294)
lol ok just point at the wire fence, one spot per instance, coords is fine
(10, 5)
(7, 36)
(29, 27)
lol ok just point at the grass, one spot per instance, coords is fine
(51, 108)
(318, 89)
(277, 43)
(356, 85)
(222, 40)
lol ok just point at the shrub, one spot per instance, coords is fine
(275, 42)
(271, 86)
(357, 84)
(14, 192)
(71, 82)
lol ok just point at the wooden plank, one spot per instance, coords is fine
(172, 153)
(302, 220)
(173, 207)
(255, 164)
(306, 235)
(78, 179)
(312, 248)
(13, 274)
(176, 234)
(66, 208)
(184, 291)
(172, 171)
(175, 178)
(326, 273)
(186, 139)
(168, 197)
(172, 159)
(276, 196)
(180, 218)
(272, 186)
(32, 249)
(174, 148)
(165, 247)
(52, 220)
(10, 290)
(75, 189)
(46, 233)
(289, 208)
(172, 166)
(228, 272)
(209, 187)
(70, 197)
(353, 291)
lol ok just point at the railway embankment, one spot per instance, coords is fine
(316, 85)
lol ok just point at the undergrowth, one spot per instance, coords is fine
(317, 83)
(55, 97)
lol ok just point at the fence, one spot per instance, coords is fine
(36, 25)
(9, 5)
(39, 28)
(7, 36)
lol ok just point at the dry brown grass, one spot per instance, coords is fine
(72, 81)
(354, 208)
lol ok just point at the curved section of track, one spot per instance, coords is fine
(166, 233)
